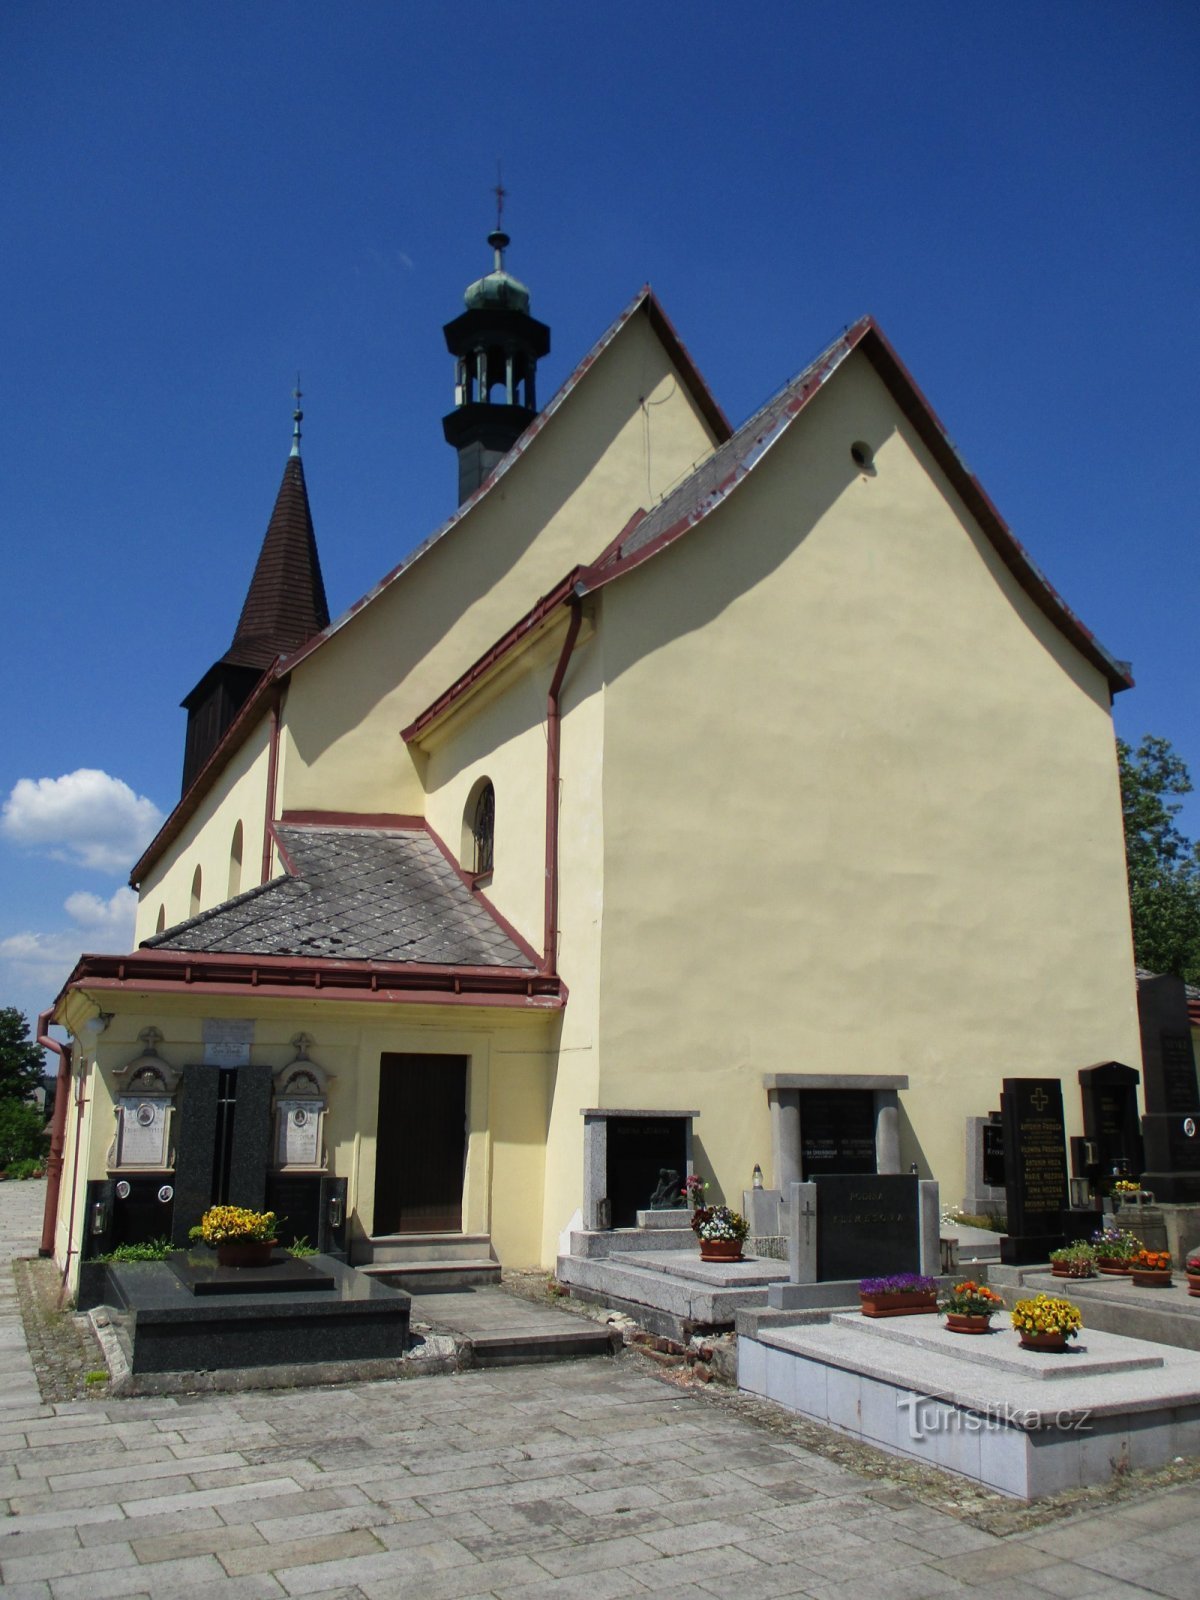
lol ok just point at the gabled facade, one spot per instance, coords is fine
(682, 767)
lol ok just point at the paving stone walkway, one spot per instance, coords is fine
(588, 1479)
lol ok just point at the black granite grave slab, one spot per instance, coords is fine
(1035, 1150)
(201, 1273)
(867, 1225)
(163, 1327)
(1171, 1126)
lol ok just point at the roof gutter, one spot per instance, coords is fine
(58, 1130)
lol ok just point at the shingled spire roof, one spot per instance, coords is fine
(285, 607)
(285, 603)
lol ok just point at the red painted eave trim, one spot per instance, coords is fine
(188, 971)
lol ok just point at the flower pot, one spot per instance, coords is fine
(1043, 1341)
(898, 1305)
(720, 1249)
(960, 1322)
(1193, 1283)
(1067, 1269)
(245, 1252)
(1113, 1267)
(1151, 1279)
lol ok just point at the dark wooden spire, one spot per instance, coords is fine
(285, 606)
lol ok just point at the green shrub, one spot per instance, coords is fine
(150, 1250)
(22, 1137)
(27, 1167)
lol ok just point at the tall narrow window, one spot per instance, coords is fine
(235, 863)
(197, 882)
(483, 830)
(162, 919)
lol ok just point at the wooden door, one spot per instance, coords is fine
(420, 1153)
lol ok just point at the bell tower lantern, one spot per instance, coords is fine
(496, 346)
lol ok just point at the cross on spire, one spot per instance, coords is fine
(501, 194)
(297, 417)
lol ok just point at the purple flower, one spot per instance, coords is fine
(900, 1283)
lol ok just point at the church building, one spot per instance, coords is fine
(694, 797)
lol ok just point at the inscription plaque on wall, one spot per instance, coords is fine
(227, 1042)
(1036, 1155)
(299, 1125)
(143, 1133)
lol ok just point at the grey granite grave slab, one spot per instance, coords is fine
(1024, 1431)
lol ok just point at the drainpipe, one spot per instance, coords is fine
(80, 1102)
(58, 1129)
(550, 940)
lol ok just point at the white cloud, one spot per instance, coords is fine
(85, 817)
(40, 962)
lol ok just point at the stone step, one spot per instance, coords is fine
(608, 1242)
(407, 1247)
(421, 1276)
(524, 1349)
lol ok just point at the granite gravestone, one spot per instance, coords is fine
(639, 1150)
(867, 1225)
(1035, 1164)
(1108, 1093)
(1171, 1125)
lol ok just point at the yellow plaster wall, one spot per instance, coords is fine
(239, 795)
(507, 1088)
(502, 735)
(618, 442)
(861, 810)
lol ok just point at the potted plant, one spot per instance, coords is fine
(1073, 1260)
(1152, 1269)
(969, 1307)
(1192, 1267)
(720, 1232)
(1046, 1323)
(902, 1295)
(1115, 1249)
(242, 1238)
(692, 1193)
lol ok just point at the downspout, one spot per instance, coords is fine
(80, 1102)
(58, 1130)
(272, 766)
(553, 742)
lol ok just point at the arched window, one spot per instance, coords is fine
(197, 883)
(479, 829)
(235, 863)
(162, 919)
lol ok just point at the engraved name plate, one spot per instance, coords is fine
(143, 1133)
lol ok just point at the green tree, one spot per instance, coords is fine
(1164, 865)
(21, 1061)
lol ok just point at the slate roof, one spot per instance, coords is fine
(356, 894)
(285, 604)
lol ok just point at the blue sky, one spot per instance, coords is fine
(198, 200)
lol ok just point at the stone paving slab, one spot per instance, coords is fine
(593, 1479)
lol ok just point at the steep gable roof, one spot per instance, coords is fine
(720, 475)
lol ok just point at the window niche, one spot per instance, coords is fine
(235, 863)
(479, 830)
(197, 888)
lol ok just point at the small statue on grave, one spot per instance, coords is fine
(666, 1196)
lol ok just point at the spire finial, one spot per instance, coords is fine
(297, 418)
(498, 239)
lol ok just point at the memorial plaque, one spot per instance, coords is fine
(143, 1133)
(867, 1225)
(837, 1132)
(1035, 1156)
(299, 1125)
(227, 1042)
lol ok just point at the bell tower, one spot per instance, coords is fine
(496, 346)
